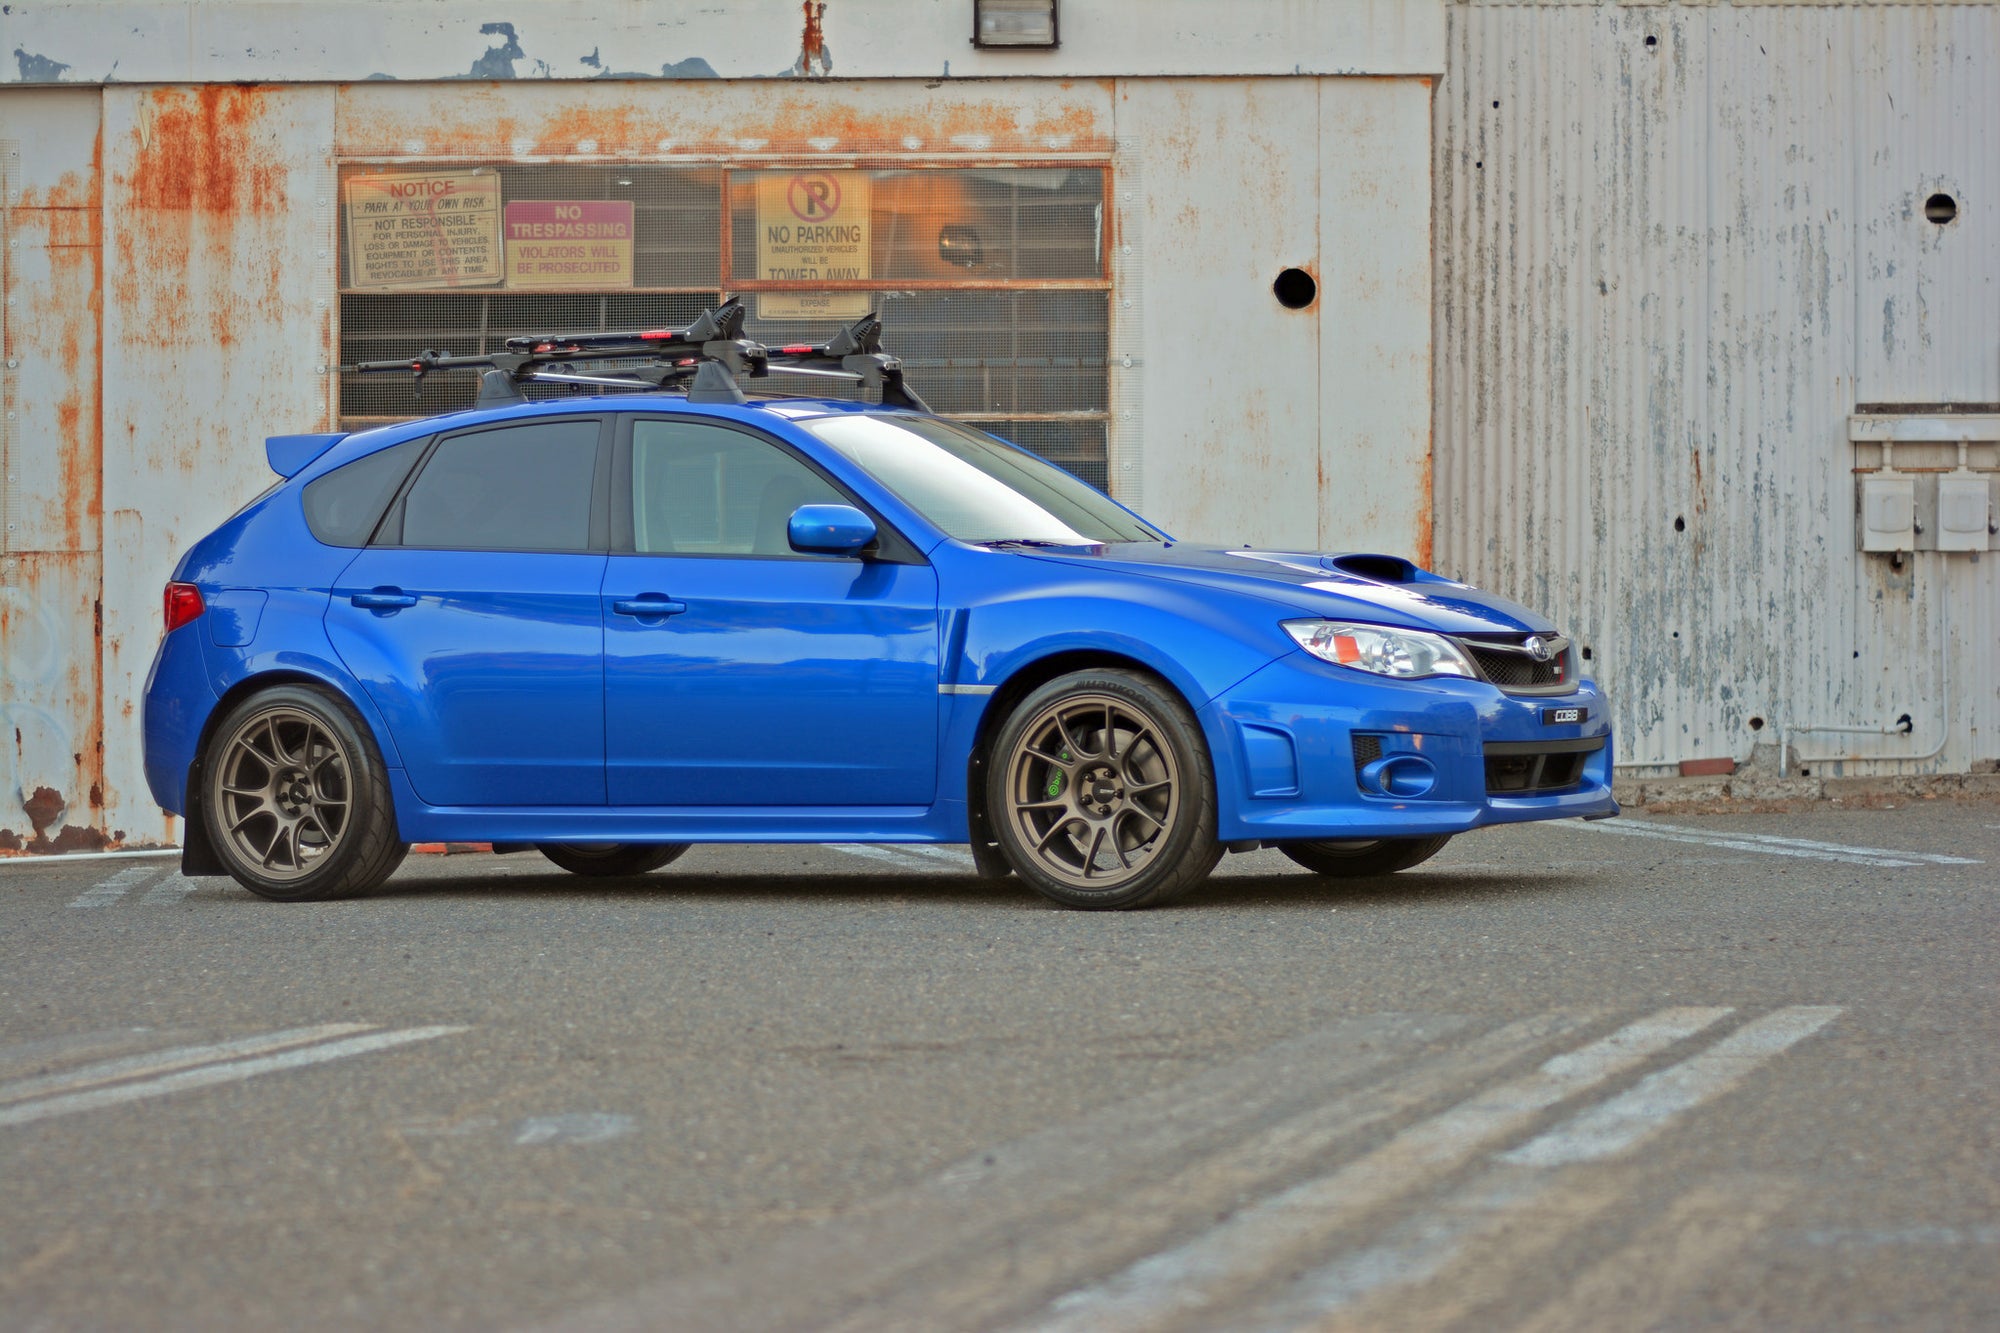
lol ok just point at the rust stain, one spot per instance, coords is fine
(43, 808)
(1426, 518)
(813, 61)
(201, 169)
(198, 154)
(791, 118)
(10, 841)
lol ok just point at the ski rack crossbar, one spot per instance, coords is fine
(705, 358)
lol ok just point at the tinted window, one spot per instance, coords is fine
(973, 486)
(343, 506)
(521, 488)
(705, 490)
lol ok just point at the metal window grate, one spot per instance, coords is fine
(992, 282)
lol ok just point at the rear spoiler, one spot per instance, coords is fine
(289, 454)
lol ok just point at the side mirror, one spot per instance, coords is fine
(830, 529)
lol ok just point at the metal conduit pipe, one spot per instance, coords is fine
(1902, 728)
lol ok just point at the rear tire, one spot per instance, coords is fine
(1101, 793)
(296, 800)
(1363, 857)
(609, 860)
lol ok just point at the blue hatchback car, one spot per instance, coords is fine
(613, 626)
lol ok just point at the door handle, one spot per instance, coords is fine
(652, 604)
(384, 599)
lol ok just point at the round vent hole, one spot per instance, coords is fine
(1295, 289)
(1940, 208)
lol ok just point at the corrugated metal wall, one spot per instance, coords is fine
(1676, 247)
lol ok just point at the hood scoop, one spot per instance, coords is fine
(1377, 568)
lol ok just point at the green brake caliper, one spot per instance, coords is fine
(1056, 779)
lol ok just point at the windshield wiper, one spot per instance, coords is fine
(1039, 542)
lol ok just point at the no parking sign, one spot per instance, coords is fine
(813, 226)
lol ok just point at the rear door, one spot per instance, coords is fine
(739, 672)
(473, 622)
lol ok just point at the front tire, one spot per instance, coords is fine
(296, 800)
(609, 860)
(1363, 858)
(1101, 793)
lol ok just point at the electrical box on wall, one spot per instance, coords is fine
(1926, 482)
(1964, 513)
(1889, 513)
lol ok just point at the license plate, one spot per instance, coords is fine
(1556, 717)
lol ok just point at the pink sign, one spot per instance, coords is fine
(584, 243)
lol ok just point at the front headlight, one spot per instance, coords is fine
(1378, 648)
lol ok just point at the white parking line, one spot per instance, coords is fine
(207, 1075)
(1813, 844)
(911, 856)
(1231, 1257)
(165, 1062)
(1851, 856)
(1631, 1118)
(1527, 1186)
(108, 891)
(68, 858)
(169, 891)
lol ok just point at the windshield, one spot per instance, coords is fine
(974, 487)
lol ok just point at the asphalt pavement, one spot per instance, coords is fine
(1703, 1072)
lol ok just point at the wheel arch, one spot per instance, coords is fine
(1026, 678)
(198, 854)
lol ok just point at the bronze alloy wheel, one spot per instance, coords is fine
(283, 792)
(1093, 790)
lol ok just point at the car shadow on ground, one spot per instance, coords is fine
(1263, 892)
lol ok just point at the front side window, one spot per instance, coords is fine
(519, 488)
(974, 487)
(699, 489)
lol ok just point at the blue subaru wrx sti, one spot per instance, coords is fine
(614, 626)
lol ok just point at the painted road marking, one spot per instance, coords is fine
(170, 891)
(913, 856)
(68, 858)
(974, 1206)
(1069, 1249)
(207, 1075)
(165, 1062)
(1631, 1118)
(1812, 844)
(1850, 856)
(1527, 1189)
(108, 891)
(1228, 1258)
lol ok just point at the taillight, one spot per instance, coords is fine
(183, 603)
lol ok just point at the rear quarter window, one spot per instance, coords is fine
(343, 507)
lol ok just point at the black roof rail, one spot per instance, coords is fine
(705, 358)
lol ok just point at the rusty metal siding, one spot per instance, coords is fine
(1663, 271)
(218, 229)
(52, 795)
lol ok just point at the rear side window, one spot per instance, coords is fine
(343, 507)
(520, 488)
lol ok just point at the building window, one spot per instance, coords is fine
(993, 282)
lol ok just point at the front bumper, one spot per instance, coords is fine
(1284, 743)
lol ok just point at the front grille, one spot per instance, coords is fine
(1536, 766)
(1502, 660)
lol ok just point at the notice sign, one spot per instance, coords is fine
(559, 243)
(423, 229)
(813, 226)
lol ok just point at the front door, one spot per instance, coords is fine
(473, 621)
(739, 672)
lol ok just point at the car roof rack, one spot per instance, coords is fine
(705, 359)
